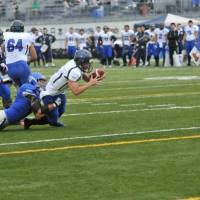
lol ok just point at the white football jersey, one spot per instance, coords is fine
(59, 81)
(152, 36)
(96, 36)
(83, 40)
(71, 39)
(161, 35)
(106, 38)
(126, 37)
(34, 36)
(17, 46)
(190, 32)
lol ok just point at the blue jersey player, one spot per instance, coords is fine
(26, 102)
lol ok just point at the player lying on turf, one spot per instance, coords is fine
(67, 77)
(26, 102)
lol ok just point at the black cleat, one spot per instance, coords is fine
(57, 124)
(27, 124)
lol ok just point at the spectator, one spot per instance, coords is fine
(46, 40)
(172, 37)
(35, 7)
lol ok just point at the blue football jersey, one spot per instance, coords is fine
(21, 107)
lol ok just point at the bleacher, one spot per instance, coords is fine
(54, 11)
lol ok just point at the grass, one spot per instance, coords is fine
(127, 102)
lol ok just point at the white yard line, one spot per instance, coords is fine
(147, 87)
(136, 96)
(133, 104)
(99, 136)
(161, 105)
(103, 104)
(133, 110)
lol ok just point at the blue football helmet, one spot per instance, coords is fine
(82, 58)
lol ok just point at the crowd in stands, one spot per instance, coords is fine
(70, 9)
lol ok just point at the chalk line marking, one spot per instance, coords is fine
(100, 145)
(99, 136)
(134, 110)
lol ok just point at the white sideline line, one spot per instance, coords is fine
(99, 136)
(135, 110)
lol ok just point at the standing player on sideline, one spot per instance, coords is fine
(161, 36)
(191, 38)
(18, 45)
(66, 77)
(106, 38)
(127, 37)
(83, 39)
(99, 49)
(71, 43)
(152, 46)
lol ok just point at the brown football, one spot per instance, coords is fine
(98, 73)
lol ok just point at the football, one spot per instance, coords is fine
(98, 73)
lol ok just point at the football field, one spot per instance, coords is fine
(135, 137)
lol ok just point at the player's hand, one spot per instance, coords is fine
(58, 101)
(94, 81)
(3, 68)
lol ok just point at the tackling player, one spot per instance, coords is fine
(26, 102)
(18, 45)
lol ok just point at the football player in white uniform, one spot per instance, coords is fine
(67, 77)
(127, 37)
(161, 36)
(152, 46)
(106, 38)
(83, 39)
(18, 45)
(191, 38)
(71, 43)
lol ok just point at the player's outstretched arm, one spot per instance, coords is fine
(78, 89)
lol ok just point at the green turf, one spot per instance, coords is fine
(127, 102)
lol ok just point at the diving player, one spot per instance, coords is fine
(191, 38)
(18, 45)
(66, 77)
